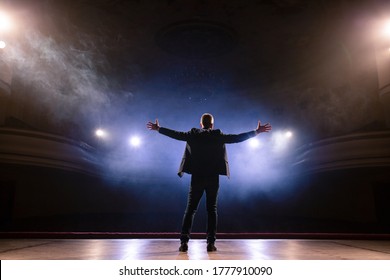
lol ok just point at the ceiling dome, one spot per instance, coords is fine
(196, 39)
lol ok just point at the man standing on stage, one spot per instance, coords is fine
(205, 158)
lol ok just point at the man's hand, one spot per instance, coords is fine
(263, 128)
(153, 126)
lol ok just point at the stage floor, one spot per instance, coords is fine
(167, 249)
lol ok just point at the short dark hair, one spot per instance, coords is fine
(207, 120)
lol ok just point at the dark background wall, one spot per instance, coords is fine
(346, 201)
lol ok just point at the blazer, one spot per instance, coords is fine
(205, 152)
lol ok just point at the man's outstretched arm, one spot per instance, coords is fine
(178, 135)
(153, 126)
(263, 128)
(236, 138)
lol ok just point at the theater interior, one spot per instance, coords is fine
(79, 80)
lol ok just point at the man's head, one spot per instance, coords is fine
(207, 121)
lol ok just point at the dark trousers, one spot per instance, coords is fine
(199, 185)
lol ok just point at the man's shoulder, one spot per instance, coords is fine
(205, 132)
(208, 131)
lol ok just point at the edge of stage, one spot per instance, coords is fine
(174, 235)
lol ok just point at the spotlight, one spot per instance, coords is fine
(100, 133)
(254, 143)
(288, 134)
(135, 141)
(386, 29)
(2, 44)
(281, 140)
(5, 22)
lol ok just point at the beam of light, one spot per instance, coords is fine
(2, 44)
(254, 143)
(281, 140)
(386, 29)
(100, 133)
(135, 141)
(5, 22)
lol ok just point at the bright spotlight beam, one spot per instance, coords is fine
(288, 134)
(254, 143)
(281, 140)
(100, 133)
(135, 141)
(2, 44)
(386, 28)
(5, 22)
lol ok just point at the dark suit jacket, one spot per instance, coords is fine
(205, 152)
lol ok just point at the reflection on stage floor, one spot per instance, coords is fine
(167, 249)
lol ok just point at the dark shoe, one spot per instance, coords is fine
(211, 247)
(183, 247)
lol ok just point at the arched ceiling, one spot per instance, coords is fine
(251, 42)
(284, 53)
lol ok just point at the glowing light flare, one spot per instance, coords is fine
(281, 140)
(2, 44)
(135, 141)
(100, 133)
(386, 29)
(254, 143)
(5, 22)
(288, 134)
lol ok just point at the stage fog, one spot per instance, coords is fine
(79, 82)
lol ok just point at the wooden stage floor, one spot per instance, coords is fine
(167, 249)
